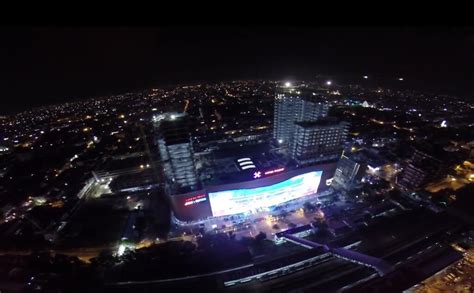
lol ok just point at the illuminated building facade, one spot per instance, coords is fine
(237, 201)
(292, 106)
(272, 187)
(318, 141)
(286, 112)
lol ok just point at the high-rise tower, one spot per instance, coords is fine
(292, 106)
(176, 151)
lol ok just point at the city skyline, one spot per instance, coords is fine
(236, 159)
(45, 65)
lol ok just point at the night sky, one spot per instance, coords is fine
(49, 65)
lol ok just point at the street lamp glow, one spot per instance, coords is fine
(400, 78)
(287, 84)
(328, 82)
(366, 77)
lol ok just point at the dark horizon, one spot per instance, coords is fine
(52, 65)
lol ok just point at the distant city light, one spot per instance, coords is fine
(366, 77)
(280, 141)
(121, 249)
(287, 84)
(444, 124)
(400, 78)
(328, 82)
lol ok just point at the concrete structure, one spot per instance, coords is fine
(176, 152)
(292, 106)
(423, 168)
(318, 141)
(382, 267)
(349, 172)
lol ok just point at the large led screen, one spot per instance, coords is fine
(246, 200)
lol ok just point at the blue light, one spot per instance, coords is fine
(245, 200)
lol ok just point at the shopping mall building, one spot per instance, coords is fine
(265, 188)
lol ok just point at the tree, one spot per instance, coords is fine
(321, 224)
(247, 241)
(260, 237)
(105, 259)
(308, 206)
(394, 193)
(283, 213)
(367, 217)
(231, 235)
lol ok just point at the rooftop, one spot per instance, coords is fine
(175, 131)
(224, 167)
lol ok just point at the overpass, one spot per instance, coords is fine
(382, 267)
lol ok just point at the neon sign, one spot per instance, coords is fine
(274, 171)
(195, 199)
(259, 174)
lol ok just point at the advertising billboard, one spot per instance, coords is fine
(251, 199)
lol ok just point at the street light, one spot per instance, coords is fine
(328, 82)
